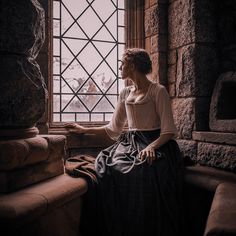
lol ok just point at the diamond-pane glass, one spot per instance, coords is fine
(88, 43)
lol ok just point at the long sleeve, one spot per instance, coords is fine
(119, 117)
(164, 111)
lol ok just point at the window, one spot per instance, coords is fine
(88, 42)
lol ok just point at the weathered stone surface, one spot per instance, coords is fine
(16, 179)
(23, 92)
(151, 21)
(184, 116)
(185, 81)
(171, 73)
(16, 154)
(215, 137)
(22, 27)
(223, 104)
(159, 43)
(172, 90)
(172, 56)
(188, 148)
(219, 156)
(196, 70)
(181, 29)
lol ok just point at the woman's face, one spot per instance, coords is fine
(125, 69)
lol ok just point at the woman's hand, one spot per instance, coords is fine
(149, 153)
(75, 128)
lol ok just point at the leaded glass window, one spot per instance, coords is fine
(88, 42)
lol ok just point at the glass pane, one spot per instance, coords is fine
(56, 47)
(82, 117)
(121, 17)
(90, 58)
(56, 27)
(92, 28)
(56, 9)
(121, 34)
(56, 65)
(68, 117)
(86, 54)
(96, 117)
(56, 103)
(56, 84)
(98, 5)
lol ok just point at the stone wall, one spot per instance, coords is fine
(200, 36)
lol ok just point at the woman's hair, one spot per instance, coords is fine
(139, 58)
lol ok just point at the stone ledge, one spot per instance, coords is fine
(26, 205)
(215, 137)
(221, 219)
(207, 177)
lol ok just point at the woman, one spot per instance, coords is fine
(139, 176)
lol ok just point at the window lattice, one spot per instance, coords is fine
(88, 42)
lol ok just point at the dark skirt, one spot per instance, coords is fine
(131, 197)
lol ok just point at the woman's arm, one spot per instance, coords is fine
(79, 129)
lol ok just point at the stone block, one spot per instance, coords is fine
(151, 21)
(40, 209)
(16, 179)
(171, 73)
(181, 29)
(16, 154)
(159, 43)
(219, 156)
(184, 116)
(188, 148)
(196, 70)
(172, 57)
(172, 90)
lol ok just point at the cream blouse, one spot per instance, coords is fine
(152, 112)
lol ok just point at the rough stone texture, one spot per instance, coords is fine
(196, 70)
(172, 90)
(16, 154)
(188, 148)
(172, 56)
(181, 29)
(215, 137)
(22, 27)
(16, 179)
(172, 73)
(219, 156)
(184, 116)
(151, 21)
(223, 109)
(27, 161)
(40, 209)
(22, 86)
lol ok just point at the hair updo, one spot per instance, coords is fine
(139, 58)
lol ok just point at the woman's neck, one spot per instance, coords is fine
(141, 82)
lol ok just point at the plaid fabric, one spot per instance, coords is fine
(143, 201)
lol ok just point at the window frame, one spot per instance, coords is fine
(134, 37)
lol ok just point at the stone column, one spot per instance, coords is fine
(25, 157)
(22, 89)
